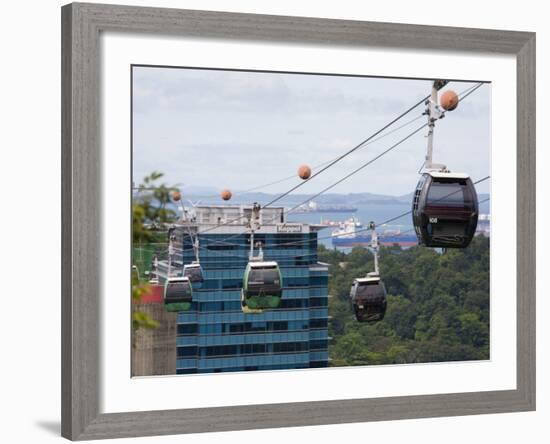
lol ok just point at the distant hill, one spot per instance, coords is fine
(352, 199)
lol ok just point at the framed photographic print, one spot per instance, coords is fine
(278, 221)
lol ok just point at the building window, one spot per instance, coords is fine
(187, 329)
(185, 371)
(281, 325)
(318, 302)
(289, 347)
(294, 303)
(224, 324)
(318, 345)
(319, 281)
(296, 282)
(211, 306)
(318, 364)
(252, 349)
(185, 352)
(318, 323)
(301, 260)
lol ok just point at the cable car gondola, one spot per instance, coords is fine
(195, 274)
(368, 294)
(444, 206)
(262, 287)
(178, 293)
(368, 298)
(445, 210)
(262, 281)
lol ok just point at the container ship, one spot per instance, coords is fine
(483, 225)
(350, 234)
(313, 207)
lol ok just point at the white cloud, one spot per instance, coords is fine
(241, 129)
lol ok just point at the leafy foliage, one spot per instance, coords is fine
(438, 306)
(149, 214)
(140, 319)
(149, 208)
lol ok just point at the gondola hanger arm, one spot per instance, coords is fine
(434, 113)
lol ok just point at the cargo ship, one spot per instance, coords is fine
(483, 225)
(313, 207)
(350, 234)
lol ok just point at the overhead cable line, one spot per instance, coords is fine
(361, 230)
(371, 139)
(462, 96)
(286, 212)
(347, 153)
(410, 211)
(359, 168)
(367, 141)
(293, 176)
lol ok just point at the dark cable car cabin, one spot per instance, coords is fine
(178, 294)
(368, 298)
(195, 274)
(262, 287)
(445, 210)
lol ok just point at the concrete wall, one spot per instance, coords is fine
(154, 351)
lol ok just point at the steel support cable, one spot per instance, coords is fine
(377, 224)
(441, 198)
(366, 164)
(358, 231)
(347, 153)
(464, 94)
(469, 91)
(371, 139)
(461, 95)
(336, 160)
(293, 176)
(245, 246)
(286, 212)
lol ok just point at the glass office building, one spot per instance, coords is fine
(215, 335)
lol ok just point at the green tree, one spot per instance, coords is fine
(140, 319)
(150, 211)
(438, 305)
(150, 214)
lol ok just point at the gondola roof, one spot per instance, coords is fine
(368, 279)
(448, 175)
(177, 279)
(259, 264)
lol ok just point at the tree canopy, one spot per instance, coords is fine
(149, 214)
(438, 305)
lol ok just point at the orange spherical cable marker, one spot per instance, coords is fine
(449, 100)
(226, 194)
(176, 196)
(304, 171)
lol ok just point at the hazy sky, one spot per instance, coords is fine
(240, 130)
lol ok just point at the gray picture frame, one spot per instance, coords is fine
(81, 243)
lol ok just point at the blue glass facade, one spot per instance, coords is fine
(216, 336)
